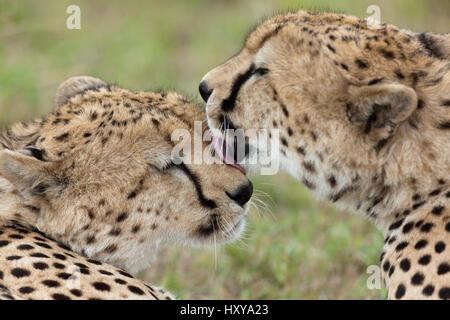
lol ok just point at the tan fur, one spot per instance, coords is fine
(97, 176)
(364, 121)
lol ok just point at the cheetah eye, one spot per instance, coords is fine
(260, 71)
(36, 153)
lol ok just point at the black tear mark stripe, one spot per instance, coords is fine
(201, 197)
(229, 103)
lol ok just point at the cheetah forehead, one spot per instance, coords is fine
(346, 30)
(95, 113)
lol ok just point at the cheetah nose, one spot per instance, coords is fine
(205, 91)
(242, 194)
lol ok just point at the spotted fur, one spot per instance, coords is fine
(91, 191)
(364, 121)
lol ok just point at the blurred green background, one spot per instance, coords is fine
(295, 247)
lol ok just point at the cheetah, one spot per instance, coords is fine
(363, 116)
(89, 192)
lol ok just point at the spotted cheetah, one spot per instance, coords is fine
(363, 119)
(90, 191)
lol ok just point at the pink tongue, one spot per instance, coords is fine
(220, 146)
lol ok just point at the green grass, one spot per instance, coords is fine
(298, 248)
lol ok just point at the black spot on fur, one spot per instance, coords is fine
(418, 205)
(132, 194)
(387, 54)
(396, 225)
(374, 81)
(427, 227)
(25, 247)
(51, 283)
(417, 279)
(424, 260)
(420, 244)
(400, 292)
(402, 245)
(60, 296)
(120, 281)
(135, 290)
(444, 293)
(408, 227)
(76, 292)
(420, 104)
(331, 48)
(309, 166)
(399, 74)
(101, 286)
(428, 290)
(285, 110)
(332, 181)
(26, 290)
(380, 144)
(361, 64)
(434, 192)
(62, 137)
(40, 265)
(122, 217)
(301, 150)
(444, 125)
(439, 247)
(20, 272)
(43, 245)
(308, 184)
(437, 210)
(405, 264)
(443, 268)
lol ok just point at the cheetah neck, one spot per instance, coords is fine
(375, 196)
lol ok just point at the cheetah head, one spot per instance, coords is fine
(99, 175)
(347, 100)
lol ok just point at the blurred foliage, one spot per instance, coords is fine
(297, 248)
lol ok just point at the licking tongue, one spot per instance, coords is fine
(221, 149)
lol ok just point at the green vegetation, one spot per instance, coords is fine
(297, 248)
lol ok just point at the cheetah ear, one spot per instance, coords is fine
(76, 85)
(378, 109)
(25, 172)
(437, 45)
